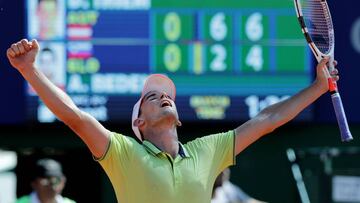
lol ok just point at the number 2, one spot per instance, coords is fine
(218, 63)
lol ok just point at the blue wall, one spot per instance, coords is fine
(12, 102)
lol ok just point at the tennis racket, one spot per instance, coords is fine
(316, 24)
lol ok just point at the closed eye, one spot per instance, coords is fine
(151, 97)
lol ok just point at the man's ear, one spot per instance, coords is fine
(139, 122)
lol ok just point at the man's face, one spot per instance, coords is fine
(49, 186)
(47, 57)
(158, 107)
(48, 6)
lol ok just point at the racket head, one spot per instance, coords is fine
(315, 19)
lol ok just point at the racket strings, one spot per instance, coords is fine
(318, 22)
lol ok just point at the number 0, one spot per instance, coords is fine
(172, 57)
(172, 26)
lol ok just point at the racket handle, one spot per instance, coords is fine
(341, 118)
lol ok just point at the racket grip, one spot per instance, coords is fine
(341, 118)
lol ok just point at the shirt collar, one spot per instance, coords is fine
(35, 198)
(150, 147)
(183, 152)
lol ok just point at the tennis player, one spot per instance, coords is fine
(158, 168)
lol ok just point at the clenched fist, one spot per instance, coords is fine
(22, 54)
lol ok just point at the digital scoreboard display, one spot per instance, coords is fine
(228, 59)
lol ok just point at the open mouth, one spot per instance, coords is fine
(165, 104)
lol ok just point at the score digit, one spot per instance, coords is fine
(218, 28)
(254, 30)
(254, 58)
(172, 26)
(218, 32)
(254, 27)
(218, 63)
(172, 57)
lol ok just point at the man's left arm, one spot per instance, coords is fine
(280, 113)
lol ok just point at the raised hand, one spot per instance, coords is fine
(323, 74)
(22, 54)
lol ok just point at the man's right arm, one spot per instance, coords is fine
(22, 57)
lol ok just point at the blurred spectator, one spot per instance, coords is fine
(226, 192)
(47, 182)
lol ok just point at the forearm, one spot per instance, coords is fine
(282, 112)
(53, 97)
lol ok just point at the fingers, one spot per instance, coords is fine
(336, 77)
(35, 44)
(324, 61)
(15, 48)
(335, 63)
(10, 53)
(26, 44)
(19, 48)
(334, 72)
(323, 68)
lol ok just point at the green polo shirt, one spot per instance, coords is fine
(142, 173)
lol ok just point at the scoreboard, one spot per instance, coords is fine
(229, 59)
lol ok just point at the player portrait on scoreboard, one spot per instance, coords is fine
(46, 19)
(51, 61)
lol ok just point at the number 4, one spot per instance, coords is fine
(254, 58)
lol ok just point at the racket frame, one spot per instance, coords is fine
(333, 89)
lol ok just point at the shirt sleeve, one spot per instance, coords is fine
(117, 155)
(215, 151)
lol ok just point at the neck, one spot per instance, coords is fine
(165, 139)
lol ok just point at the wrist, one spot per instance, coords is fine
(320, 86)
(26, 69)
